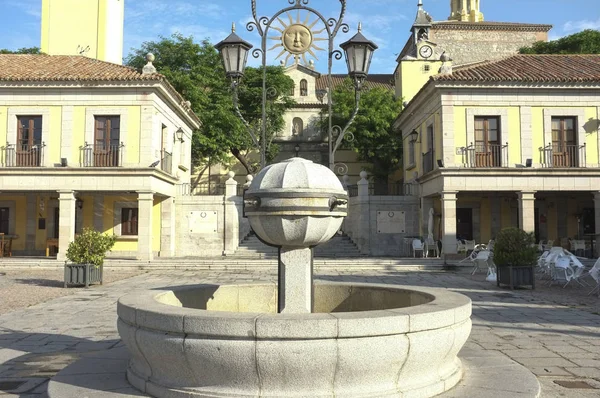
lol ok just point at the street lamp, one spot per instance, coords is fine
(179, 135)
(296, 36)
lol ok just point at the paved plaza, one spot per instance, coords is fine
(553, 332)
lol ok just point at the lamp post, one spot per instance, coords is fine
(298, 35)
(297, 149)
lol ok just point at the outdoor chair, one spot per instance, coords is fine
(460, 246)
(471, 257)
(431, 245)
(470, 245)
(490, 245)
(541, 246)
(481, 259)
(578, 245)
(595, 273)
(561, 271)
(549, 245)
(417, 245)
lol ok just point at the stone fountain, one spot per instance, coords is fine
(297, 338)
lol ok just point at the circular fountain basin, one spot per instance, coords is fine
(362, 340)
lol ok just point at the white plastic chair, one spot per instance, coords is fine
(470, 245)
(561, 271)
(549, 245)
(460, 246)
(430, 245)
(490, 245)
(578, 245)
(417, 245)
(595, 273)
(481, 259)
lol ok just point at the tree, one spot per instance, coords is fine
(196, 71)
(584, 42)
(24, 50)
(375, 141)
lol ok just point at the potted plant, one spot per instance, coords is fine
(86, 255)
(515, 257)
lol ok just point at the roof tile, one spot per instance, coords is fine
(531, 68)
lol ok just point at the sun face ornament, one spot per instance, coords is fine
(297, 37)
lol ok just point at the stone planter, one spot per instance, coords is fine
(516, 276)
(82, 274)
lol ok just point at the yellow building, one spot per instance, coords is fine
(87, 143)
(512, 142)
(93, 28)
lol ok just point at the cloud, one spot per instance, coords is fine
(577, 26)
(199, 32)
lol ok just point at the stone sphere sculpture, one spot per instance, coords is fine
(295, 203)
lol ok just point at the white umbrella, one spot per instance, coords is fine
(430, 225)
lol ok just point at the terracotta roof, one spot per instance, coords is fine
(375, 80)
(530, 68)
(29, 67)
(63, 68)
(487, 25)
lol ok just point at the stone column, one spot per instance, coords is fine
(449, 222)
(66, 222)
(363, 185)
(597, 217)
(31, 223)
(295, 287)
(167, 227)
(526, 211)
(232, 228)
(145, 204)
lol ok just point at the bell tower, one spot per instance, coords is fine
(93, 28)
(465, 11)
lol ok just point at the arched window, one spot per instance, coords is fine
(303, 88)
(297, 126)
(293, 90)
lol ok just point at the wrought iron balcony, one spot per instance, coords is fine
(560, 156)
(19, 155)
(106, 156)
(485, 155)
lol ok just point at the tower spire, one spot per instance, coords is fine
(465, 11)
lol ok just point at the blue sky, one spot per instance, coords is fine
(386, 22)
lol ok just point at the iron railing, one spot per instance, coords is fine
(352, 190)
(202, 189)
(111, 156)
(428, 161)
(23, 155)
(485, 155)
(166, 163)
(558, 156)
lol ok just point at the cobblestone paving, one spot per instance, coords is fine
(559, 343)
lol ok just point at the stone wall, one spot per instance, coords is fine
(474, 45)
(368, 228)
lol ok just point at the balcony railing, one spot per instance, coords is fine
(23, 155)
(204, 189)
(390, 189)
(110, 156)
(428, 162)
(166, 163)
(485, 155)
(559, 156)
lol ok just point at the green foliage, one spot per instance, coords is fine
(24, 50)
(375, 141)
(196, 71)
(90, 247)
(584, 42)
(513, 246)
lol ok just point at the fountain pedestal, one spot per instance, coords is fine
(295, 281)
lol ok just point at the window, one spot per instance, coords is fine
(303, 88)
(411, 153)
(297, 126)
(564, 145)
(426, 68)
(106, 141)
(4, 216)
(129, 221)
(293, 90)
(487, 141)
(29, 141)
(428, 158)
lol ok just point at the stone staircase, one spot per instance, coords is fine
(340, 246)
